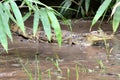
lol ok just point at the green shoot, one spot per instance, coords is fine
(77, 72)
(68, 73)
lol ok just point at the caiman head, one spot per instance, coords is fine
(99, 35)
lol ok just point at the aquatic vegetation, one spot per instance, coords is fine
(68, 73)
(29, 73)
(77, 72)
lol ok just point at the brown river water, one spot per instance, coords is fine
(65, 63)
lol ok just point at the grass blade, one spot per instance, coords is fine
(35, 22)
(116, 19)
(7, 10)
(26, 70)
(18, 15)
(87, 4)
(46, 23)
(6, 26)
(27, 15)
(55, 24)
(100, 11)
(4, 20)
(67, 4)
(3, 38)
(82, 12)
(115, 6)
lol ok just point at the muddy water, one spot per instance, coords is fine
(74, 62)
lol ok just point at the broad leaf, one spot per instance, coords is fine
(18, 15)
(116, 19)
(27, 15)
(46, 23)
(5, 19)
(87, 4)
(3, 38)
(7, 10)
(82, 11)
(115, 7)
(56, 26)
(67, 4)
(35, 21)
(100, 11)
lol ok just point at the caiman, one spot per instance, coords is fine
(68, 37)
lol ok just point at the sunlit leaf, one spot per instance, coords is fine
(116, 19)
(46, 23)
(117, 1)
(29, 4)
(56, 26)
(114, 8)
(6, 26)
(100, 11)
(27, 15)
(7, 10)
(35, 21)
(3, 38)
(18, 15)
(23, 3)
(4, 20)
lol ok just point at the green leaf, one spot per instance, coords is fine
(87, 4)
(6, 27)
(3, 38)
(38, 2)
(7, 10)
(22, 3)
(100, 11)
(116, 19)
(35, 21)
(46, 23)
(82, 11)
(4, 20)
(114, 8)
(56, 26)
(117, 0)
(27, 15)
(29, 4)
(67, 4)
(63, 18)
(18, 15)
